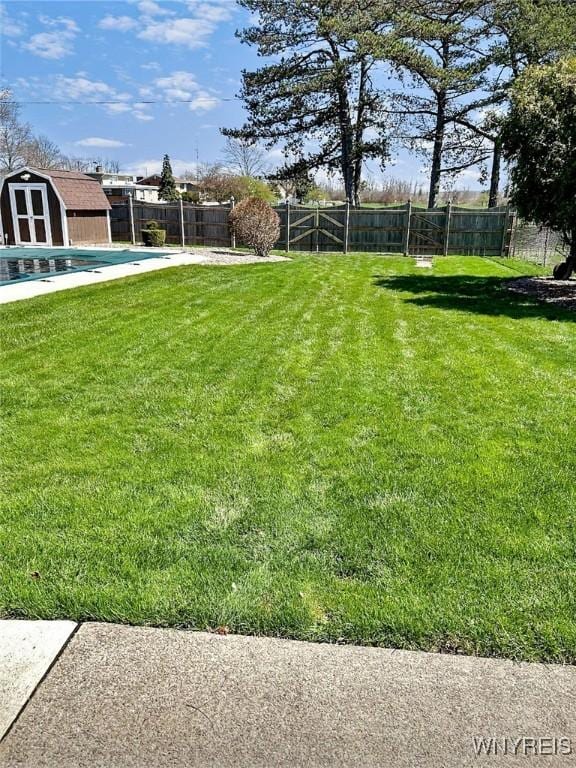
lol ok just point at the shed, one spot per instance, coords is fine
(52, 207)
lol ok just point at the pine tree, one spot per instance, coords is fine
(461, 58)
(167, 190)
(316, 99)
(442, 52)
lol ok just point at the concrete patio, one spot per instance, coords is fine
(127, 697)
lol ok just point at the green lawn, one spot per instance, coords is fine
(336, 448)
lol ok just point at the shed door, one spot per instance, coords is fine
(30, 214)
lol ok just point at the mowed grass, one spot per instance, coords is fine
(341, 448)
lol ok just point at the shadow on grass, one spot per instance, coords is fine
(468, 293)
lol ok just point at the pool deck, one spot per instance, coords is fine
(28, 289)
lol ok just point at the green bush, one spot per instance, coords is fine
(153, 236)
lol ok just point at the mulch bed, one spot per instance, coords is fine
(560, 293)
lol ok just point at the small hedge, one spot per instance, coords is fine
(153, 236)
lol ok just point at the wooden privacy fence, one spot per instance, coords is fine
(402, 229)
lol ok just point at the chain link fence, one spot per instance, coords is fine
(536, 244)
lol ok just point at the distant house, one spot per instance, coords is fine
(53, 207)
(118, 187)
(182, 185)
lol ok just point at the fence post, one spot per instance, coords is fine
(182, 223)
(346, 226)
(131, 210)
(505, 230)
(287, 224)
(514, 224)
(447, 221)
(406, 233)
(232, 232)
(317, 225)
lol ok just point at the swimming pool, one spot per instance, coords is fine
(19, 264)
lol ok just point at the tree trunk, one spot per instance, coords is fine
(346, 141)
(436, 169)
(359, 132)
(347, 163)
(495, 173)
(345, 125)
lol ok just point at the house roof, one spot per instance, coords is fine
(78, 191)
(153, 176)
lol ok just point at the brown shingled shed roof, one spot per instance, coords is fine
(78, 191)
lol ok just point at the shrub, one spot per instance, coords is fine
(220, 185)
(248, 186)
(255, 224)
(153, 236)
(313, 195)
(539, 138)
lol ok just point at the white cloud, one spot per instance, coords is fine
(191, 33)
(276, 154)
(178, 85)
(158, 25)
(95, 141)
(81, 88)
(118, 23)
(150, 8)
(204, 102)
(118, 108)
(469, 174)
(77, 88)
(183, 86)
(55, 44)
(49, 45)
(10, 27)
(211, 11)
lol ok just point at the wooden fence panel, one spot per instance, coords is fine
(206, 225)
(120, 224)
(377, 229)
(397, 229)
(478, 232)
(427, 232)
(167, 217)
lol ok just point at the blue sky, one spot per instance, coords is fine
(63, 51)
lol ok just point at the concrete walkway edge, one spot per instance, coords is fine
(140, 697)
(28, 649)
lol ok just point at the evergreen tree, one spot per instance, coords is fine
(527, 32)
(463, 56)
(167, 190)
(316, 98)
(442, 51)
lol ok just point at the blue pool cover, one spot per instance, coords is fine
(17, 264)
